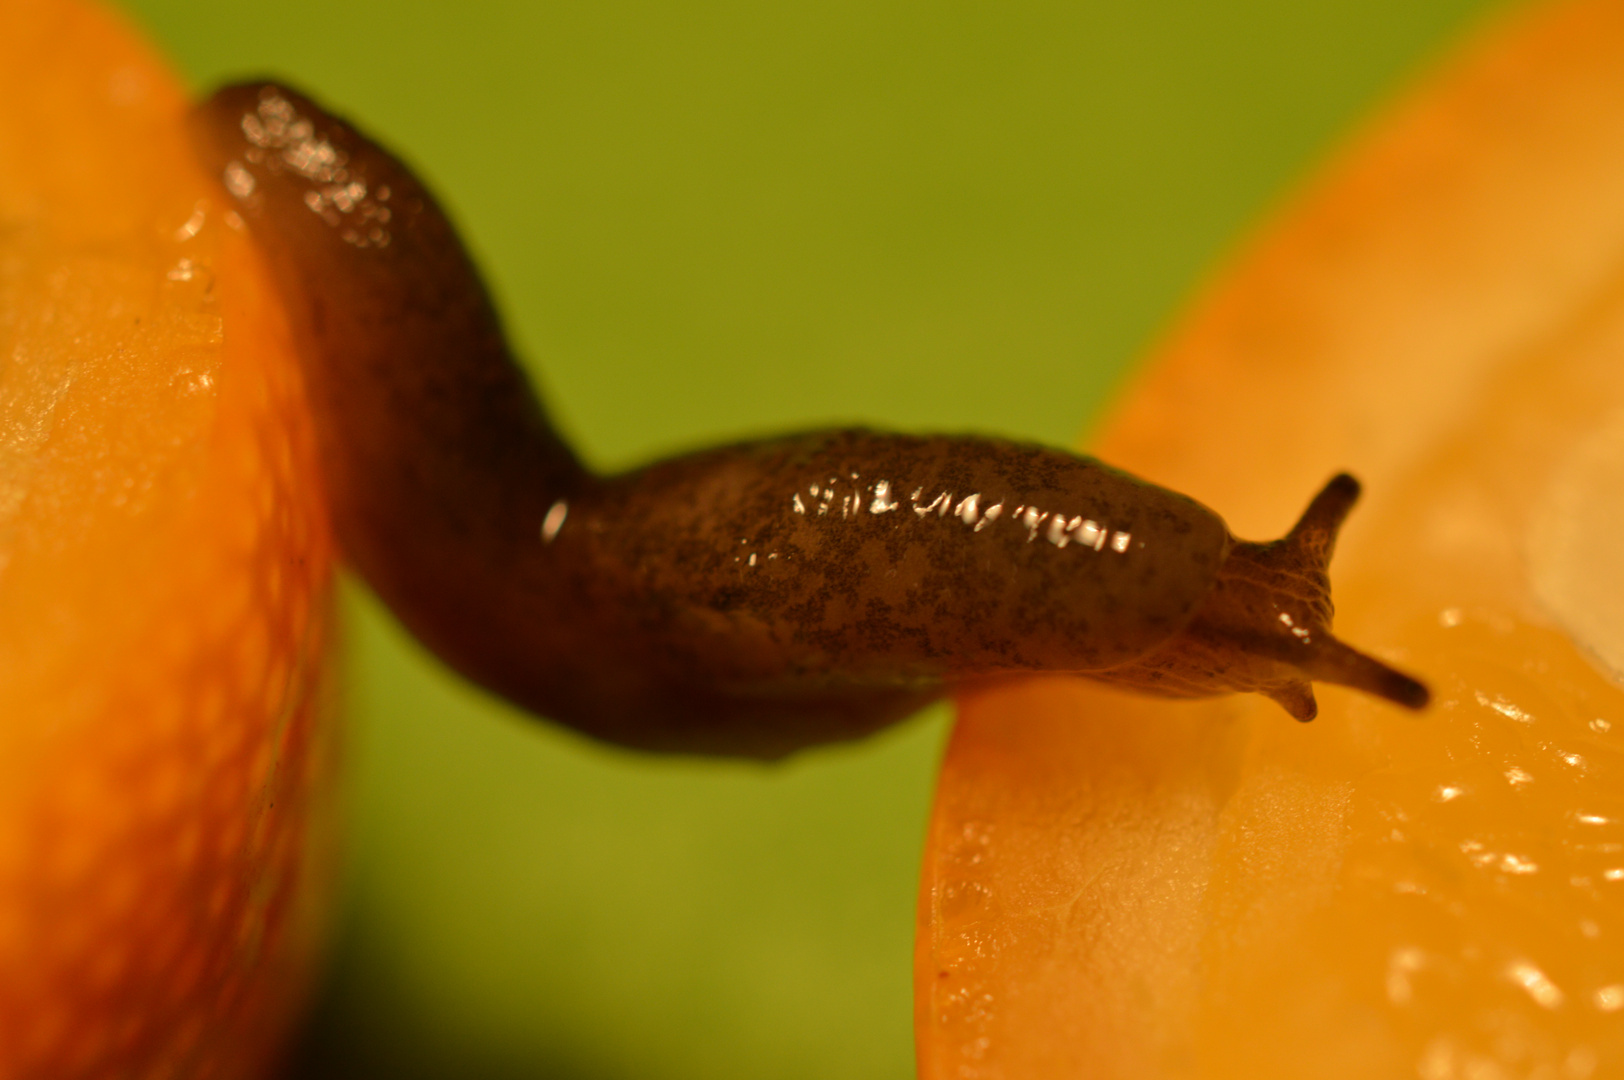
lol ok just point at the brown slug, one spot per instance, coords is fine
(750, 599)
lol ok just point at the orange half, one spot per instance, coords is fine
(165, 571)
(1121, 887)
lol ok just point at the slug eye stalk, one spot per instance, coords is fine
(1311, 542)
(1326, 659)
(1265, 626)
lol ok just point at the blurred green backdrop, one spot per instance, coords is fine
(714, 218)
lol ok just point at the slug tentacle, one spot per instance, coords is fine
(1266, 626)
(1316, 531)
(1329, 660)
(750, 599)
(1297, 698)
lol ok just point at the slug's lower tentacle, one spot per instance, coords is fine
(750, 599)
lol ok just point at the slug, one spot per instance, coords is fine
(751, 599)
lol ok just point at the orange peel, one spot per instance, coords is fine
(165, 575)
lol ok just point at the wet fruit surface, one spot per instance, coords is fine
(1120, 887)
(164, 576)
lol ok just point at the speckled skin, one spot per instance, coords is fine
(751, 599)
(839, 556)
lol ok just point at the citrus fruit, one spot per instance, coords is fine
(165, 565)
(1122, 887)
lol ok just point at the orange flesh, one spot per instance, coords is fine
(164, 588)
(1119, 887)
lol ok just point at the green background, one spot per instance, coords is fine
(717, 218)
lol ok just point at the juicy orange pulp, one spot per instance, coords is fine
(164, 588)
(1119, 887)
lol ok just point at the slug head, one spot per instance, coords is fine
(1265, 626)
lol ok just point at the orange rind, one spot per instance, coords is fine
(166, 773)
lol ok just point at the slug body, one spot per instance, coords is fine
(750, 599)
